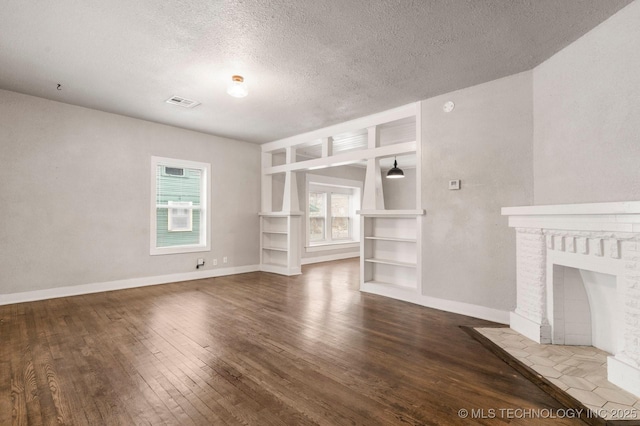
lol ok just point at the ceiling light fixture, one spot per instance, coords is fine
(237, 88)
(395, 172)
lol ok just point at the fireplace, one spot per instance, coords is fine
(578, 280)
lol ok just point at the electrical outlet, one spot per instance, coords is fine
(215, 262)
(200, 263)
(224, 259)
(454, 184)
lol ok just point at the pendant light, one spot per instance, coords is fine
(237, 88)
(395, 172)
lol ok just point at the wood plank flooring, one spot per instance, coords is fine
(251, 349)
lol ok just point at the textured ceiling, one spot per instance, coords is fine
(308, 63)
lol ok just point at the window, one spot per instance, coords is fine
(179, 206)
(340, 216)
(317, 216)
(331, 207)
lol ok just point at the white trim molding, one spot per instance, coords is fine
(409, 110)
(329, 185)
(333, 246)
(205, 208)
(78, 290)
(461, 308)
(329, 257)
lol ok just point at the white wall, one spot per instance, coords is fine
(587, 116)
(74, 195)
(468, 250)
(400, 194)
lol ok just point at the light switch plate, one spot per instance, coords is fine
(454, 184)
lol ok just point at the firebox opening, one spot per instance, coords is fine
(584, 309)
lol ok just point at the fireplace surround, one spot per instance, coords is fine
(578, 280)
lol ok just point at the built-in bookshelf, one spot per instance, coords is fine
(279, 247)
(390, 248)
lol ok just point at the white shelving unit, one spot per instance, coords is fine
(279, 245)
(390, 240)
(389, 250)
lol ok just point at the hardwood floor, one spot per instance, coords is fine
(255, 348)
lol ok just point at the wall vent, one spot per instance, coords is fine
(185, 103)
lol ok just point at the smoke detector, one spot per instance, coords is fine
(183, 102)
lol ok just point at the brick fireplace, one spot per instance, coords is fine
(578, 280)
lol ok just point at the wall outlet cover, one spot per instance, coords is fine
(454, 184)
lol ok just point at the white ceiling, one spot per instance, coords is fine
(308, 63)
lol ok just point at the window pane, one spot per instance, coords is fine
(166, 238)
(340, 217)
(316, 228)
(180, 189)
(317, 203)
(170, 187)
(340, 228)
(317, 209)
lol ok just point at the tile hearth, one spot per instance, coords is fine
(580, 371)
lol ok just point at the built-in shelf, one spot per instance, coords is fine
(390, 249)
(391, 262)
(387, 284)
(391, 213)
(404, 240)
(279, 265)
(280, 252)
(280, 214)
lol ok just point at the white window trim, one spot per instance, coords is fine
(335, 182)
(341, 245)
(205, 231)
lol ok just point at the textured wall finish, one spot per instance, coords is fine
(587, 116)
(400, 194)
(74, 195)
(308, 63)
(468, 251)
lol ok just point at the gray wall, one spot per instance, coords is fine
(468, 249)
(74, 188)
(587, 116)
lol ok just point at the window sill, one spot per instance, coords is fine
(332, 246)
(179, 249)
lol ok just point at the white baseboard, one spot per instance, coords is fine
(413, 296)
(408, 295)
(623, 375)
(329, 257)
(281, 270)
(530, 329)
(76, 290)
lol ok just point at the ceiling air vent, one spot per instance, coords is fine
(185, 103)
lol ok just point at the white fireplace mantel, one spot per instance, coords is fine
(604, 217)
(599, 237)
